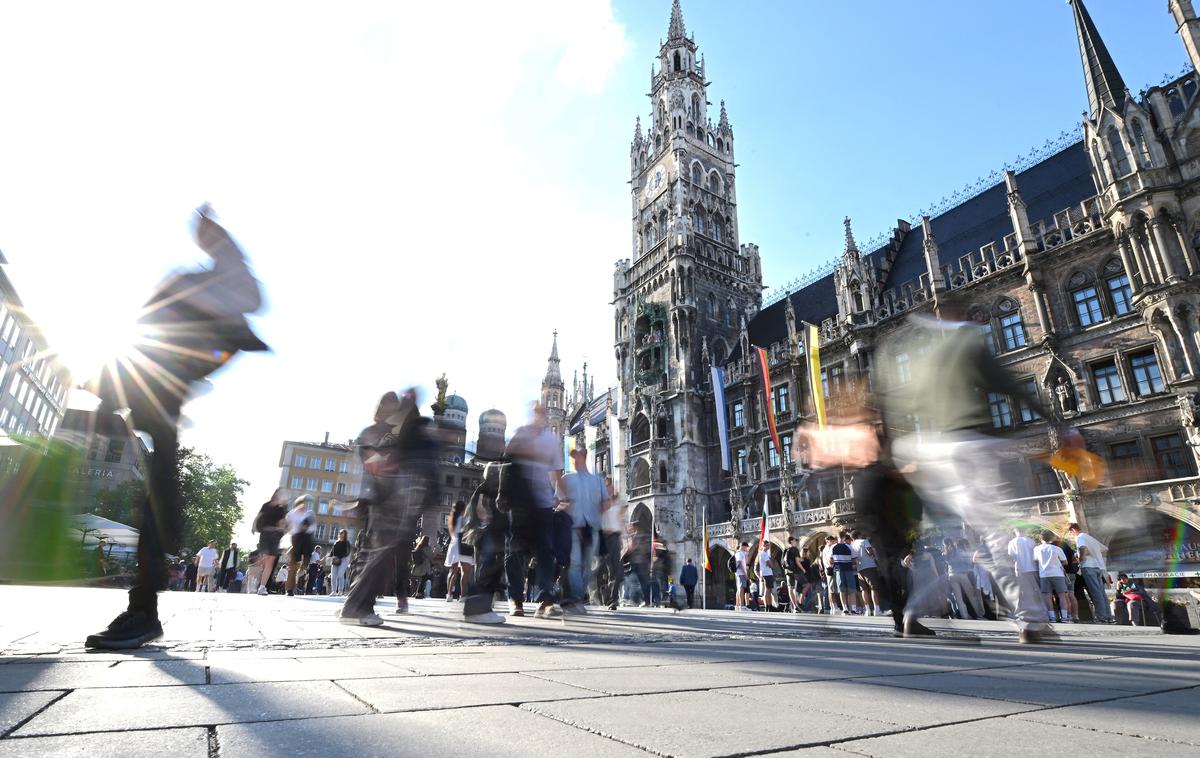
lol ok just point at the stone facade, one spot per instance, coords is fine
(1082, 268)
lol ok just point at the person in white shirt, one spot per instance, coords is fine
(207, 567)
(766, 574)
(742, 600)
(1092, 564)
(1029, 587)
(868, 573)
(829, 594)
(1051, 562)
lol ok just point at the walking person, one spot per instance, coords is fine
(742, 572)
(193, 324)
(868, 572)
(191, 574)
(1020, 550)
(842, 557)
(206, 566)
(960, 575)
(339, 562)
(401, 486)
(766, 575)
(313, 585)
(1072, 571)
(793, 573)
(828, 568)
(535, 459)
(812, 599)
(1052, 564)
(587, 497)
(421, 571)
(459, 557)
(1092, 565)
(612, 533)
(689, 577)
(299, 521)
(270, 525)
(229, 566)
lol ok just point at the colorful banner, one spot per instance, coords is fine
(589, 441)
(707, 560)
(718, 382)
(812, 349)
(615, 450)
(762, 530)
(770, 402)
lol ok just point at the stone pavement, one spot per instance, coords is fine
(244, 675)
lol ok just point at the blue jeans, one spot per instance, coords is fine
(1093, 580)
(583, 555)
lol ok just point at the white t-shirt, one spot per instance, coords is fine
(827, 556)
(764, 563)
(859, 547)
(741, 562)
(296, 519)
(1050, 559)
(1020, 549)
(208, 558)
(315, 557)
(231, 560)
(1095, 551)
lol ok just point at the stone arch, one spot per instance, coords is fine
(1004, 306)
(641, 475)
(640, 430)
(719, 585)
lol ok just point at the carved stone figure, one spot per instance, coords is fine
(1064, 395)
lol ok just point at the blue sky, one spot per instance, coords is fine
(429, 188)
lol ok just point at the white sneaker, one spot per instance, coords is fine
(262, 590)
(491, 617)
(371, 619)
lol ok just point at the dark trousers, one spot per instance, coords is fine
(690, 589)
(162, 513)
(383, 559)
(227, 576)
(531, 536)
(610, 560)
(641, 572)
(489, 570)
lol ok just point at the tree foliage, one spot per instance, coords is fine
(210, 499)
(122, 503)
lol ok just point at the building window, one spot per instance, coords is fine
(786, 441)
(312, 485)
(1125, 459)
(741, 461)
(314, 463)
(783, 399)
(1120, 159)
(327, 486)
(341, 488)
(1012, 331)
(1147, 378)
(320, 531)
(772, 454)
(1108, 383)
(330, 464)
(1001, 410)
(345, 467)
(1174, 460)
(1029, 413)
(1120, 294)
(116, 448)
(1087, 306)
(322, 506)
(738, 415)
(989, 337)
(300, 460)
(93, 449)
(297, 482)
(1045, 481)
(903, 368)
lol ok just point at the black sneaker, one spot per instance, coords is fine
(133, 628)
(916, 630)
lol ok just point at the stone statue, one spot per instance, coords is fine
(1187, 415)
(439, 405)
(1065, 396)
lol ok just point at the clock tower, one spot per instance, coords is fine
(683, 297)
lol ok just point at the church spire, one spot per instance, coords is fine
(553, 373)
(1106, 88)
(676, 30)
(851, 245)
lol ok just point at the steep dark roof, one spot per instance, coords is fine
(1049, 186)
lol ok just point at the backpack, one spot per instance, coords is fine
(513, 492)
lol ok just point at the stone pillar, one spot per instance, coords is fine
(1188, 346)
(1135, 276)
(1141, 241)
(1185, 247)
(1163, 243)
(1039, 301)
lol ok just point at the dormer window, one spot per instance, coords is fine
(1117, 154)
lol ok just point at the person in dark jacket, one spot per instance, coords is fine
(193, 324)
(688, 577)
(228, 566)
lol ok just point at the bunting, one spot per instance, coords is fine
(812, 351)
(766, 375)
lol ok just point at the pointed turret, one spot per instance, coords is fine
(676, 30)
(1106, 88)
(851, 245)
(553, 374)
(723, 124)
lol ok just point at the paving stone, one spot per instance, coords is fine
(1171, 716)
(303, 669)
(16, 707)
(485, 732)
(677, 678)
(700, 723)
(1006, 737)
(18, 677)
(911, 708)
(426, 693)
(101, 710)
(1017, 690)
(177, 743)
(1127, 675)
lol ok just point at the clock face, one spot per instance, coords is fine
(655, 181)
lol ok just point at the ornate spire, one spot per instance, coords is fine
(851, 245)
(553, 374)
(1105, 86)
(724, 122)
(676, 30)
(637, 130)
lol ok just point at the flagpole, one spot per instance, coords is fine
(704, 563)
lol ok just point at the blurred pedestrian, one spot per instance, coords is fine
(868, 572)
(742, 576)
(206, 566)
(586, 495)
(1093, 565)
(612, 547)
(766, 575)
(300, 522)
(229, 566)
(190, 574)
(313, 585)
(1052, 564)
(270, 524)
(339, 561)
(688, 577)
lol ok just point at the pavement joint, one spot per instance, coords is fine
(369, 707)
(35, 714)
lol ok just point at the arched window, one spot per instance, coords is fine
(715, 231)
(1105, 174)
(1141, 145)
(714, 182)
(698, 221)
(697, 174)
(662, 472)
(729, 312)
(678, 63)
(700, 133)
(1189, 89)
(858, 299)
(720, 145)
(709, 139)
(1120, 159)
(710, 306)
(1175, 102)
(691, 129)
(1086, 298)
(696, 111)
